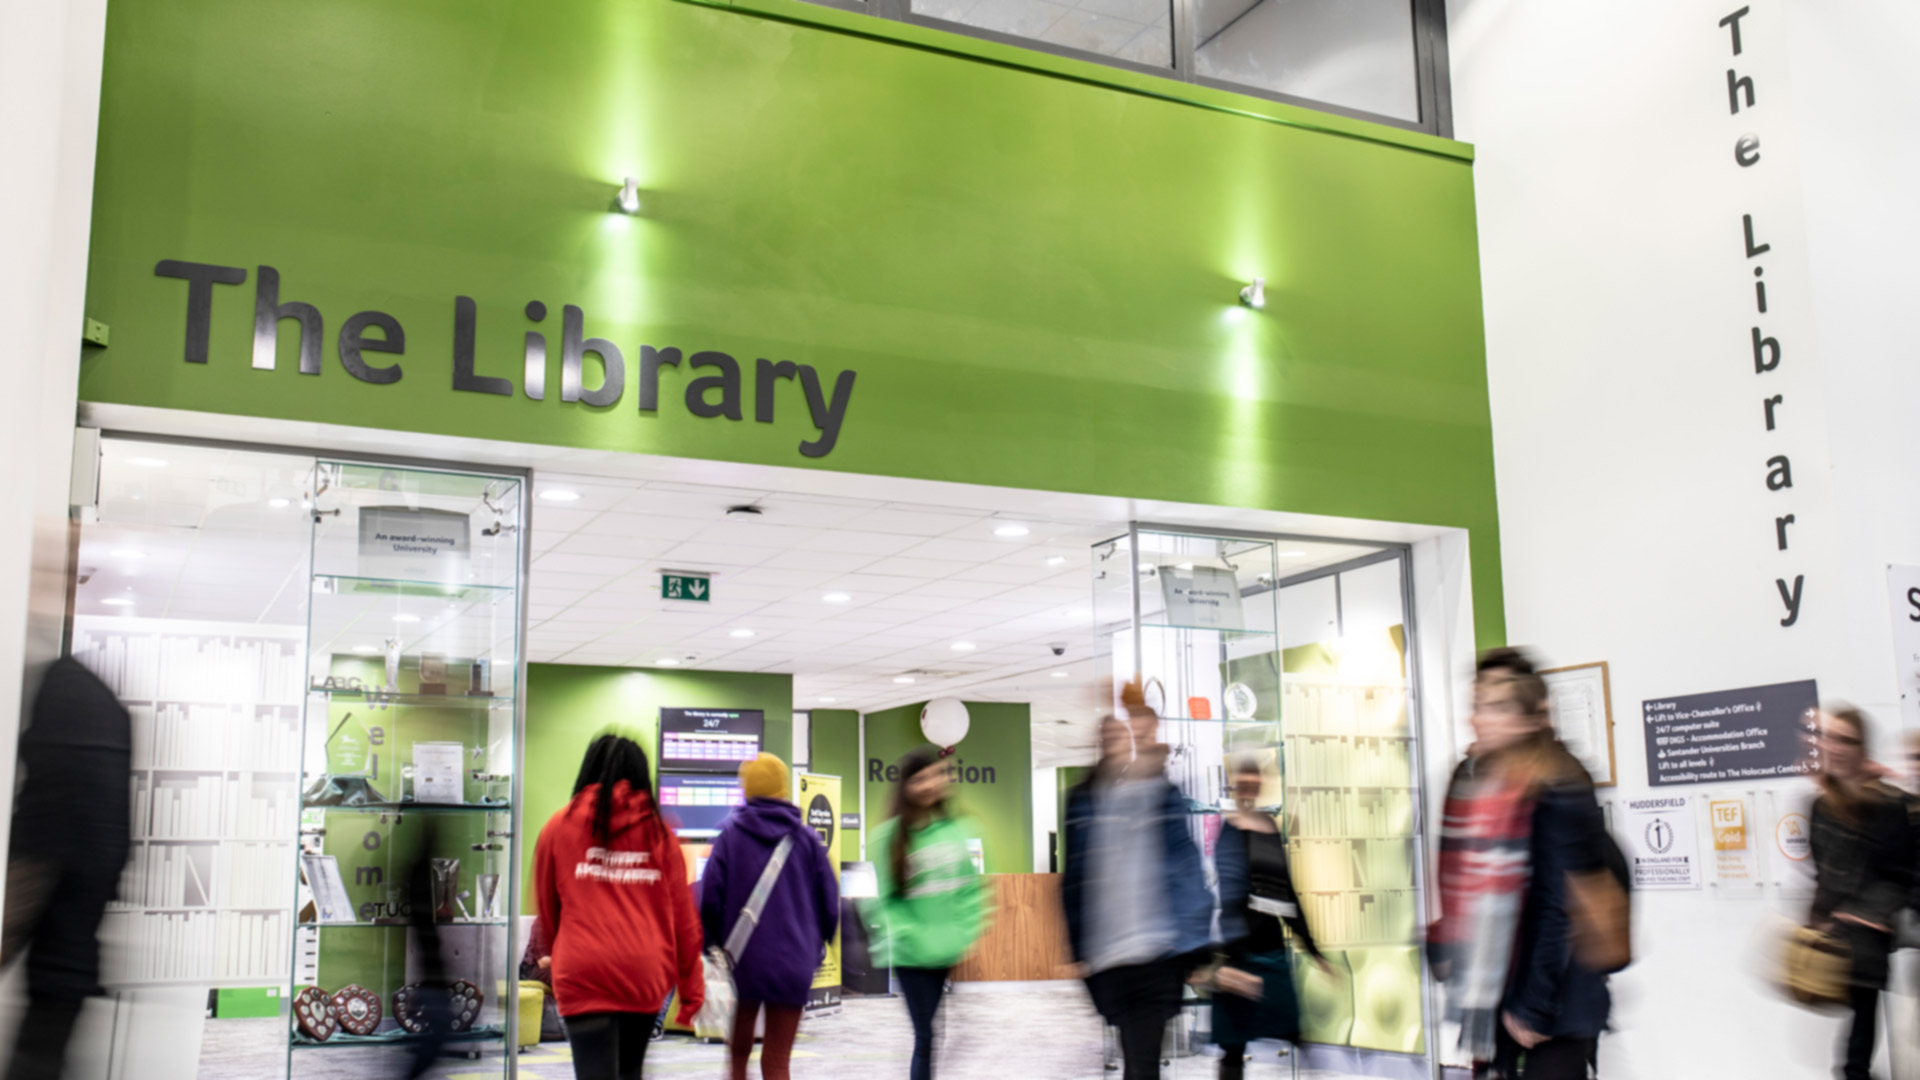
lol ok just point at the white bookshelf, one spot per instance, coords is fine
(207, 895)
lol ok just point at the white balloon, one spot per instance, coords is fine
(944, 721)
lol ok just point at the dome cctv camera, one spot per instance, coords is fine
(1059, 648)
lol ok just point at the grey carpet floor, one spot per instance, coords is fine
(1003, 1031)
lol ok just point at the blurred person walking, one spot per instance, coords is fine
(1138, 911)
(931, 908)
(70, 839)
(612, 888)
(1520, 822)
(767, 851)
(1863, 870)
(1255, 996)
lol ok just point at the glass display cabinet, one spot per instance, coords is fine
(1294, 651)
(409, 806)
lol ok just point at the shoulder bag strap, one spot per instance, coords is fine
(743, 927)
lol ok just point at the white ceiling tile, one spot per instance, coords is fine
(622, 547)
(755, 533)
(838, 562)
(604, 567)
(556, 579)
(556, 519)
(912, 523)
(1006, 573)
(698, 555)
(866, 543)
(924, 569)
(967, 590)
(644, 526)
(965, 551)
(709, 505)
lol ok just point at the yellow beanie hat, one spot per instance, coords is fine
(765, 777)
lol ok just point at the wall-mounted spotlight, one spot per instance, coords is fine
(1255, 295)
(629, 198)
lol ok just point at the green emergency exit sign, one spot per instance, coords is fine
(695, 587)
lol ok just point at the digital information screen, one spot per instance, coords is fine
(698, 805)
(710, 740)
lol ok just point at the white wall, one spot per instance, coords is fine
(1629, 436)
(50, 52)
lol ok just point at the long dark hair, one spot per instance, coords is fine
(612, 758)
(904, 812)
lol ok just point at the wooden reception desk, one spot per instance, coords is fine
(1027, 939)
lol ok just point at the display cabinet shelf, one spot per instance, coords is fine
(344, 1041)
(383, 697)
(372, 586)
(412, 808)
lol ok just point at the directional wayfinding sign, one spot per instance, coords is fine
(695, 587)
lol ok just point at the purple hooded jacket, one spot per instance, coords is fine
(802, 912)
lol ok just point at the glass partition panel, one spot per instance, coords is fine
(1140, 31)
(1357, 54)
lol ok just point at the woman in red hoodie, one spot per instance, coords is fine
(613, 895)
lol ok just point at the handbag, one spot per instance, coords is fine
(715, 1018)
(1815, 967)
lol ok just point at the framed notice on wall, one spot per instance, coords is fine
(1582, 703)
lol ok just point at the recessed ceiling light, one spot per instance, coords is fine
(279, 504)
(129, 553)
(829, 700)
(1057, 560)
(365, 649)
(148, 462)
(667, 661)
(1061, 674)
(963, 646)
(118, 601)
(629, 197)
(1187, 566)
(741, 633)
(1010, 531)
(903, 680)
(406, 618)
(837, 598)
(560, 495)
(1293, 554)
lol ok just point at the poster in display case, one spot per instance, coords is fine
(1582, 702)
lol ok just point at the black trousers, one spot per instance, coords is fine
(609, 1046)
(1555, 1059)
(1139, 999)
(1865, 1002)
(923, 988)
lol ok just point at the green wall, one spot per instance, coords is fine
(999, 737)
(568, 705)
(834, 750)
(1033, 274)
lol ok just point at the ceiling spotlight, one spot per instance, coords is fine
(743, 633)
(837, 598)
(903, 680)
(963, 646)
(406, 618)
(1060, 674)
(118, 601)
(667, 661)
(828, 700)
(148, 462)
(629, 197)
(560, 495)
(1186, 566)
(1255, 295)
(365, 649)
(1057, 560)
(1010, 531)
(279, 504)
(129, 553)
